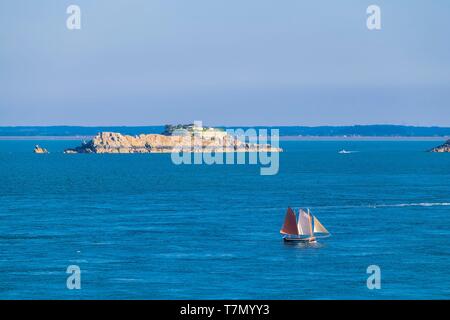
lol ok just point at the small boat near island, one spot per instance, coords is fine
(343, 151)
(307, 228)
(38, 149)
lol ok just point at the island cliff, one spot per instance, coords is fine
(442, 148)
(111, 142)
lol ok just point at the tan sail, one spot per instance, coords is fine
(290, 223)
(318, 227)
(304, 224)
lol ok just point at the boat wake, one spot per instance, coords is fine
(393, 205)
(343, 151)
(421, 204)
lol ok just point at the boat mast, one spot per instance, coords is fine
(310, 224)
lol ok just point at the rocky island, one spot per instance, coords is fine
(184, 138)
(442, 148)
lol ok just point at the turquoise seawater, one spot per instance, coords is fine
(139, 226)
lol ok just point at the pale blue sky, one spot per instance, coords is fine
(226, 62)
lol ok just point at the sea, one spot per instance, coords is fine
(137, 226)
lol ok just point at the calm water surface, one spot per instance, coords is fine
(140, 227)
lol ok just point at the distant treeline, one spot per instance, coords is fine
(357, 130)
(75, 130)
(364, 131)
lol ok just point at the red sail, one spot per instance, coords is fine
(290, 223)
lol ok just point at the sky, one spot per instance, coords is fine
(224, 62)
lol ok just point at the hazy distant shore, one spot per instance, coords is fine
(355, 132)
(282, 138)
(46, 138)
(361, 138)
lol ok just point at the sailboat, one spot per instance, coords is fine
(307, 228)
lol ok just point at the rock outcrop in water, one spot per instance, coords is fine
(442, 148)
(110, 142)
(38, 149)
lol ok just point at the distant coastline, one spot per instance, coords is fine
(45, 138)
(362, 138)
(355, 132)
(282, 138)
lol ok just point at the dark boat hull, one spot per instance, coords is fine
(303, 240)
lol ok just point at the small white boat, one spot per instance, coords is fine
(343, 151)
(307, 228)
